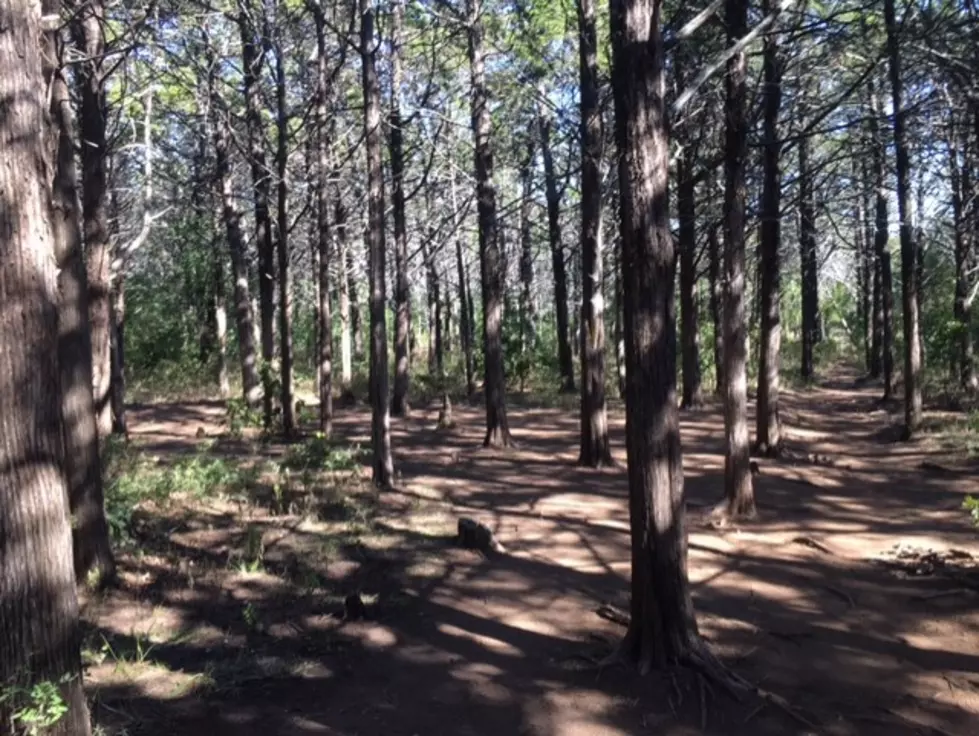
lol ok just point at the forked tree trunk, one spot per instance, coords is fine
(739, 491)
(662, 627)
(594, 450)
(494, 388)
(768, 430)
(383, 464)
(82, 467)
(881, 247)
(402, 292)
(909, 249)
(39, 628)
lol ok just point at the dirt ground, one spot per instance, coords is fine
(854, 598)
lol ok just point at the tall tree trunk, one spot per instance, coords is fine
(662, 627)
(528, 317)
(82, 466)
(497, 427)
(881, 248)
(261, 183)
(715, 282)
(348, 294)
(594, 450)
(808, 261)
(324, 317)
(282, 240)
(558, 266)
(39, 631)
(876, 316)
(465, 322)
(963, 356)
(219, 295)
(768, 430)
(865, 263)
(737, 473)
(909, 273)
(692, 395)
(402, 293)
(87, 28)
(383, 464)
(117, 355)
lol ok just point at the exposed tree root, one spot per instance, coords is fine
(810, 542)
(610, 613)
(842, 594)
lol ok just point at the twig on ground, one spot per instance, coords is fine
(842, 594)
(809, 542)
(610, 613)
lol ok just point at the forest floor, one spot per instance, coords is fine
(853, 598)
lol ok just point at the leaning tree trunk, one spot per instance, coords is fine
(87, 29)
(402, 292)
(383, 464)
(39, 628)
(768, 430)
(594, 449)
(881, 248)
(558, 266)
(261, 184)
(662, 627)
(909, 272)
(324, 208)
(739, 491)
(497, 427)
(83, 467)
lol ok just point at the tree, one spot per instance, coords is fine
(594, 449)
(662, 629)
(807, 257)
(39, 628)
(768, 431)
(383, 464)
(740, 499)
(497, 427)
(883, 253)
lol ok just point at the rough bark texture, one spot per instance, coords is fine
(875, 364)
(662, 628)
(494, 388)
(83, 468)
(768, 430)
(282, 243)
(402, 292)
(692, 394)
(466, 328)
(324, 208)
(738, 486)
(383, 464)
(808, 262)
(865, 262)
(594, 450)
(528, 315)
(219, 297)
(881, 248)
(87, 31)
(261, 185)
(39, 632)
(909, 249)
(348, 295)
(558, 267)
(715, 282)
(963, 353)
(117, 355)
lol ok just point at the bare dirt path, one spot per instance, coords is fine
(852, 596)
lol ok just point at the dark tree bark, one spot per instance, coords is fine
(324, 208)
(350, 334)
(117, 356)
(768, 430)
(528, 317)
(594, 450)
(692, 394)
(39, 628)
(662, 629)
(715, 282)
(739, 491)
(494, 388)
(558, 266)
(876, 313)
(909, 249)
(87, 29)
(219, 297)
(251, 48)
(383, 464)
(881, 248)
(83, 467)
(963, 357)
(402, 292)
(282, 238)
(466, 330)
(808, 260)
(865, 265)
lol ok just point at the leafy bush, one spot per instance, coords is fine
(36, 709)
(971, 504)
(320, 453)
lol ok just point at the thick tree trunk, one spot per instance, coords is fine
(89, 36)
(402, 291)
(768, 430)
(808, 261)
(558, 266)
(662, 628)
(83, 468)
(494, 388)
(739, 491)
(881, 249)
(324, 208)
(383, 464)
(282, 243)
(261, 185)
(594, 450)
(39, 631)
(909, 272)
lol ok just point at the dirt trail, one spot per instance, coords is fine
(830, 599)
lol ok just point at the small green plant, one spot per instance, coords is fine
(320, 453)
(971, 504)
(241, 416)
(35, 709)
(251, 617)
(253, 558)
